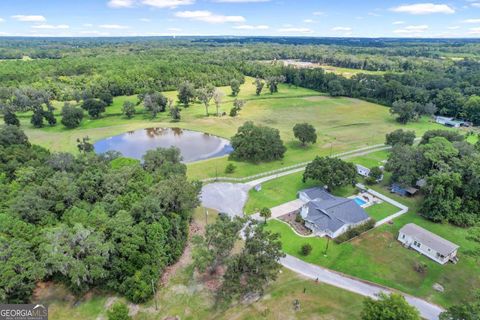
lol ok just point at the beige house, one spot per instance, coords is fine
(428, 244)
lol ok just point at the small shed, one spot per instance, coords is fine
(428, 243)
(403, 191)
(363, 171)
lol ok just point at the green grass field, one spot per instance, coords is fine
(342, 124)
(378, 257)
(381, 210)
(348, 72)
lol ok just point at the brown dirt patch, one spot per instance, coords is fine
(186, 258)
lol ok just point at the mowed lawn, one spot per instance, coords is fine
(381, 210)
(342, 124)
(278, 191)
(376, 255)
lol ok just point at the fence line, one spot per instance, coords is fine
(295, 166)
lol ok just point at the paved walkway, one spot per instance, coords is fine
(427, 310)
(282, 209)
(403, 208)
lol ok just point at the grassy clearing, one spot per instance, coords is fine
(284, 189)
(374, 159)
(342, 124)
(377, 256)
(348, 72)
(381, 210)
(188, 298)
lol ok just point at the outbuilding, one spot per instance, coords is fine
(428, 243)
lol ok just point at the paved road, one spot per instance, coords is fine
(427, 310)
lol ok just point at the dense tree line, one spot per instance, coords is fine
(419, 79)
(451, 168)
(88, 223)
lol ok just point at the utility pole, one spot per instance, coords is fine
(326, 248)
(154, 295)
(206, 216)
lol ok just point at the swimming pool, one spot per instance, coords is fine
(360, 201)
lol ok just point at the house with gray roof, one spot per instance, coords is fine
(328, 215)
(428, 244)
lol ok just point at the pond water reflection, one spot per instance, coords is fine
(193, 145)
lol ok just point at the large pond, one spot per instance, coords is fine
(193, 145)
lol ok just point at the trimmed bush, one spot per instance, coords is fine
(355, 231)
(306, 249)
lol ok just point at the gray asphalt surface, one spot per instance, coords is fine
(427, 310)
(228, 198)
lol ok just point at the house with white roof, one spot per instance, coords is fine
(428, 243)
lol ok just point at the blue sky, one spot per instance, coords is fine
(364, 18)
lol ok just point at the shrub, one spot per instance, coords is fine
(230, 168)
(298, 218)
(306, 249)
(420, 267)
(119, 311)
(356, 231)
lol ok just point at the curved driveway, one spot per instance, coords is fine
(427, 310)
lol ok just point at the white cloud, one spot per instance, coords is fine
(50, 26)
(453, 28)
(207, 16)
(345, 29)
(250, 27)
(113, 26)
(3, 34)
(167, 3)
(88, 25)
(398, 22)
(240, 1)
(424, 8)
(474, 31)
(2, 20)
(31, 18)
(145, 20)
(475, 4)
(319, 13)
(471, 21)
(93, 33)
(309, 21)
(121, 3)
(415, 30)
(295, 30)
(174, 29)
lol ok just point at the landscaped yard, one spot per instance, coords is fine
(381, 210)
(376, 255)
(278, 191)
(342, 124)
